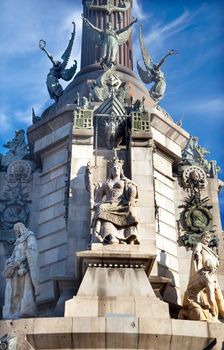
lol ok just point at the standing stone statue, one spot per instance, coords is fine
(59, 71)
(114, 219)
(109, 39)
(153, 72)
(203, 300)
(21, 273)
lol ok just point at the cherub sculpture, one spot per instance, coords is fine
(59, 71)
(109, 39)
(153, 72)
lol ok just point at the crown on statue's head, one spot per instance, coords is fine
(116, 162)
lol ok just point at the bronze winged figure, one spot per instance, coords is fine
(153, 73)
(59, 71)
(109, 39)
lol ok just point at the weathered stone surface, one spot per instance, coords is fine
(114, 332)
(22, 276)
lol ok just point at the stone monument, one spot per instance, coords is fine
(124, 206)
(21, 273)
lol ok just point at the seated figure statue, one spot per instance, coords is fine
(114, 219)
(21, 273)
(203, 300)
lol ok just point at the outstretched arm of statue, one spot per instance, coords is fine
(135, 20)
(88, 23)
(42, 46)
(170, 53)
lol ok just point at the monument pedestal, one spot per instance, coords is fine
(115, 308)
(115, 283)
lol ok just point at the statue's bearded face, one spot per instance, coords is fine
(16, 229)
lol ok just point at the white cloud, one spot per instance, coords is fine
(75, 16)
(5, 123)
(24, 23)
(138, 11)
(210, 105)
(161, 32)
(156, 37)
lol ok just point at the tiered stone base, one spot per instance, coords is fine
(113, 332)
(115, 308)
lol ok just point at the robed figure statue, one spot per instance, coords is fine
(113, 204)
(22, 278)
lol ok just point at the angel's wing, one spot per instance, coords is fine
(144, 74)
(145, 55)
(124, 36)
(67, 53)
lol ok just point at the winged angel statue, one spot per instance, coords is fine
(109, 39)
(153, 72)
(59, 71)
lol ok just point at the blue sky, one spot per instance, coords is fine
(195, 91)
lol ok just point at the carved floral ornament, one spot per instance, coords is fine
(19, 171)
(198, 219)
(14, 204)
(194, 175)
